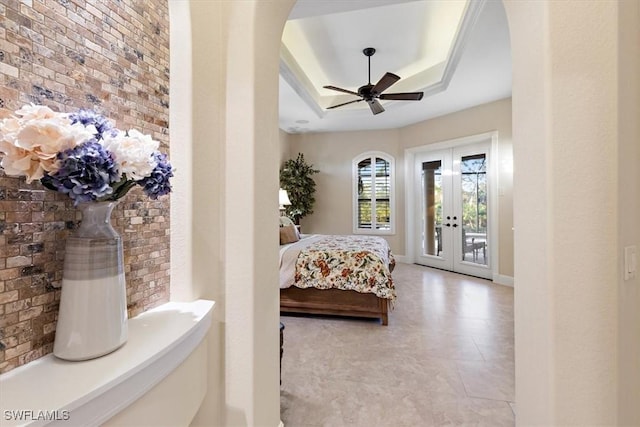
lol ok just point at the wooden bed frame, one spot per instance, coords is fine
(333, 301)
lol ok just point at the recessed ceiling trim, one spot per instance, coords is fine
(481, 61)
(469, 20)
(462, 37)
(295, 80)
(307, 8)
(295, 76)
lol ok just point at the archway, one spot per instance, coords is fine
(566, 353)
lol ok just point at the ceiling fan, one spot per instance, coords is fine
(371, 93)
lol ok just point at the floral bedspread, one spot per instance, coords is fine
(358, 263)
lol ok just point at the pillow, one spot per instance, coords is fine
(285, 221)
(288, 234)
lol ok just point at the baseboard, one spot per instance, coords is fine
(401, 258)
(500, 279)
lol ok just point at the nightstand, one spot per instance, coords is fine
(281, 342)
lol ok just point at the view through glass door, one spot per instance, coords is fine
(454, 209)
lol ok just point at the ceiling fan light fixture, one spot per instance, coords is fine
(371, 93)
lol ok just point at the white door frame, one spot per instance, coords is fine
(411, 199)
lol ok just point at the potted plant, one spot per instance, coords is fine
(296, 179)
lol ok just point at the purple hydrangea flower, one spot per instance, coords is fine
(157, 184)
(90, 117)
(85, 173)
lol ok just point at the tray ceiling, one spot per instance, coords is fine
(457, 52)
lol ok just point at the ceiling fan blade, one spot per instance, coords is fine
(344, 103)
(341, 90)
(385, 82)
(407, 96)
(375, 106)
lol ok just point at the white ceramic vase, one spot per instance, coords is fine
(92, 320)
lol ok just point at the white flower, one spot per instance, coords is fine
(37, 112)
(30, 143)
(133, 151)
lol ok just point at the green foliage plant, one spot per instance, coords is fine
(296, 178)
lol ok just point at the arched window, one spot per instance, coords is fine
(373, 190)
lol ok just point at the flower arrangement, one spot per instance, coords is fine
(81, 154)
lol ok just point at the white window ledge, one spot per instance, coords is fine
(90, 392)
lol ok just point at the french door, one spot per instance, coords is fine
(453, 209)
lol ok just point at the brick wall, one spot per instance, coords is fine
(110, 55)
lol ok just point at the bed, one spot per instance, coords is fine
(346, 275)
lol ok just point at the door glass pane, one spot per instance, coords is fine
(473, 175)
(432, 208)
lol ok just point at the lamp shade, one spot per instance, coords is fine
(283, 198)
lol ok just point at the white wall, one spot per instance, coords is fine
(332, 154)
(285, 146)
(224, 208)
(197, 135)
(629, 208)
(565, 211)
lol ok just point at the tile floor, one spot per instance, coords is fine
(446, 358)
